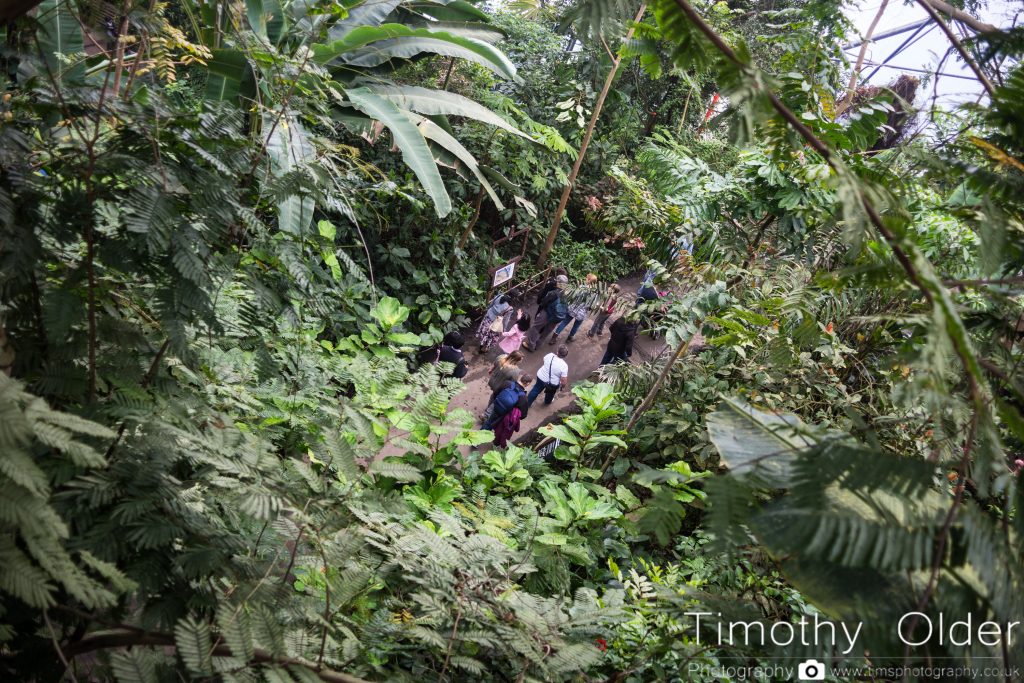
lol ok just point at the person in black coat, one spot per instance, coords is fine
(548, 286)
(623, 333)
(450, 351)
(553, 310)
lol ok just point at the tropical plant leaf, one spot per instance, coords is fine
(432, 131)
(456, 10)
(61, 34)
(754, 441)
(289, 149)
(431, 102)
(365, 13)
(227, 73)
(408, 138)
(373, 45)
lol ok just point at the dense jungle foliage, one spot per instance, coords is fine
(228, 227)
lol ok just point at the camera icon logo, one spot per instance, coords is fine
(811, 670)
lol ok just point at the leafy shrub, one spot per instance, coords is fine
(582, 257)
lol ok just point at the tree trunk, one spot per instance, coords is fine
(564, 201)
(448, 76)
(652, 115)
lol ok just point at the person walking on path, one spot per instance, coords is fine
(580, 304)
(509, 424)
(505, 369)
(552, 376)
(549, 285)
(622, 335)
(554, 310)
(513, 338)
(512, 396)
(607, 308)
(493, 324)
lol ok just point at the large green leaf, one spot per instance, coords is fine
(61, 34)
(289, 149)
(374, 45)
(497, 177)
(755, 441)
(227, 71)
(390, 312)
(408, 138)
(277, 23)
(366, 13)
(457, 10)
(468, 29)
(431, 102)
(266, 19)
(432, 131)
(256, 13)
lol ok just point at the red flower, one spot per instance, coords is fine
(828, 328)
(602, 644)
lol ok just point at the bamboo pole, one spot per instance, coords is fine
(847, 100)
(556, 222)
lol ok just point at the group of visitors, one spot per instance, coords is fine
(510, 329)
(513, 391)
(510, 403)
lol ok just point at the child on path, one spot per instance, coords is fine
(513, 338)
(581, 301)
(552, 376)
(607, 308)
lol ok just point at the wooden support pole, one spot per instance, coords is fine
(556, 222)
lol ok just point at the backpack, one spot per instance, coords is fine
(507, 399)
(581, 304)
(557, 309)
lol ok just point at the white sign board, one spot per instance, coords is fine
(503, 274)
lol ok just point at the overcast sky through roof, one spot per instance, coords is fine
(924, 52)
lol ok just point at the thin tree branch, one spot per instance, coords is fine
(56, 645)
(464, 237)
(962, 17)
(448, 74)
(850, 89)
(943, 535)
(996, 282)
(294, 551)
(327, 605)
(451, 644)
(150, 376)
